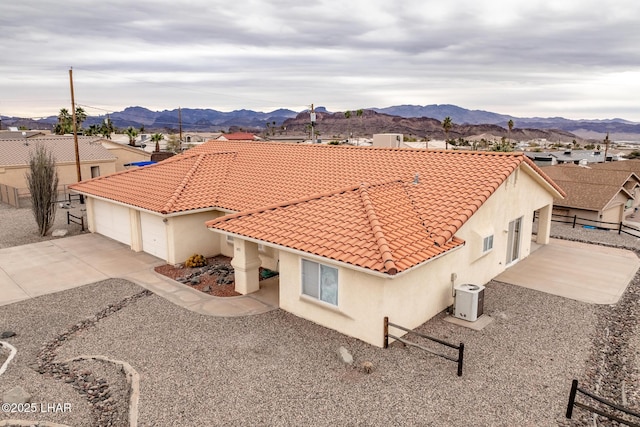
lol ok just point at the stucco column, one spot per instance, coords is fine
(544, 225)
(91, 212)
(136, 230)
(246, 264)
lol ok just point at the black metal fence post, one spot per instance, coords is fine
(575, 217)
(386, 332)
(460, 358)
(572, 398)
(620, 228)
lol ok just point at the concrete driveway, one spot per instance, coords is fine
(36, 269)
(583, 272)
(55, 265)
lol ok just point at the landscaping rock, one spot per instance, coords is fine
(367, 367)
(7, 334)
(16, 395)
(345, 356)
(59, 233)
(195, 280)
(206, 288)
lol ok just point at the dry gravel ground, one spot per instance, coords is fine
(277, 369)
(18, 226)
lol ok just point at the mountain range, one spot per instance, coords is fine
(408, 119)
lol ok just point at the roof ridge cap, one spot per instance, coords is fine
(283, 204)
(183, 184)
(378, 234)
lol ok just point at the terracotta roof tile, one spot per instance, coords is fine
(396, 237)
(292, 195)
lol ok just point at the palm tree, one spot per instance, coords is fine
(81, 116)
(447, 124)
(131, 133)
(107, 128)
(359, 113)
(64, 119)
(510, 124)
(92, 130)
(157, 137)
(347, 115)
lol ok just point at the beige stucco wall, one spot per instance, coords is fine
(580, 213)
(415, 296)
(613, 213)
(15, 176)
(126, 155)
(268, 256)
(188, 235)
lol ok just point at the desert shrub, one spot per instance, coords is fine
(195, 260)
(42, 180)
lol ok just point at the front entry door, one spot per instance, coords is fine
(513, 241)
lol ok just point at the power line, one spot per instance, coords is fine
(199, 90)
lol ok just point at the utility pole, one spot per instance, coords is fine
(75, 126)
(313, 124)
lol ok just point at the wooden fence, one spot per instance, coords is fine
(9, 195)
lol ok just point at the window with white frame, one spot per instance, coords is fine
(320, 281)
(487, 244)
(230, 239)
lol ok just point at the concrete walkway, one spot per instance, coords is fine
(583, 272)
(41, 268)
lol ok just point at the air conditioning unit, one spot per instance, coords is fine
(469, 303)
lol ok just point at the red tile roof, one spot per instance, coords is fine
(371, 226)
(315, 198)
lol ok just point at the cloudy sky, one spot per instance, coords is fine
(569, 58)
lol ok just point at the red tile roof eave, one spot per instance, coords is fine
(386, 275)
(151, 211)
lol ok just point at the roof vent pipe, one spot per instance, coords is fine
(416, 179)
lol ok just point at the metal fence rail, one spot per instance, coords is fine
(459, 360)
(574, 220)
(75, 219)
(572, 403)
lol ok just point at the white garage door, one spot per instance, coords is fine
(154, 235)
(112, 221)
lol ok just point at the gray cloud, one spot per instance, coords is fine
(576, 59)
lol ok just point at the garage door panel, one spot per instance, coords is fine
(154, 235)
(113, 221)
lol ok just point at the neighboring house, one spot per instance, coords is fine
(597, 192)
(19, 134)
(627, 166)
(197, 138)
(356, 233)
(125, 154)
(237, 136)
(541, 159)
(95, 160)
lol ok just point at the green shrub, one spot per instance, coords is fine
(195, 260)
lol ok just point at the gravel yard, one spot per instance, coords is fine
(18, 226)
(278, 369)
